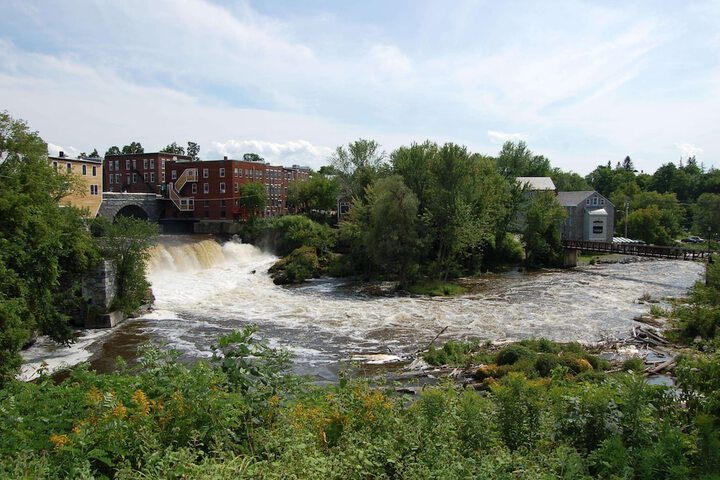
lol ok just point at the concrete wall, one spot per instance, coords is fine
(99, 286)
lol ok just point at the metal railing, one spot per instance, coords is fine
(640, 250)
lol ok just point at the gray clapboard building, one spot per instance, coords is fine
(590, 216)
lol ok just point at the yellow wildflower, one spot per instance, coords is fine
(274, 401)
(59, 440)
(141, 401)
(94, 396)
(119, 410)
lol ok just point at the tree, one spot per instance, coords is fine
(707, 215)
(44, 249)
(253, 157)
(174, 148)
(93, 154)
(127, 241)
(134, 147)
(569, 181)
(627, 164)
(358, 165)
(392, 238)
(253, 198)
(516, 160)
(193, 150)
(114, 150)
(542, 235)
(316, 193)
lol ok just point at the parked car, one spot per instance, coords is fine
(693, 239)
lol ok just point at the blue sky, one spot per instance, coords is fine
(581, 82)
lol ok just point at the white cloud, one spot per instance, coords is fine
(300, 152)
(502, 137)
(687, 150)
(54, 150)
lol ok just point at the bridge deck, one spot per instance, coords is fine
(677, 253)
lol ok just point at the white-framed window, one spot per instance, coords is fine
(173, 174)
(152, 177)
(162, 175)
(134, 164)
(145, 163)
(587, 201)
(145, 177)
(152, 163)
(236, 171)
(206, 173)
(127, 179)
(84, 169)
(222, 173)
(602, 201)
(237, 187)
(595, 200)
(222, 187)
(127, 164)
(134, 177)
(110, 178)
(206, 188)
(94, 170)
(162, 164)
(117, 178)
(110, 165)
(194, 188)
(117, 164)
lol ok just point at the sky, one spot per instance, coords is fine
(582, 83)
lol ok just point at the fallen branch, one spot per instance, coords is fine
(433, 340)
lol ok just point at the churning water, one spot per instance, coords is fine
(204, 289)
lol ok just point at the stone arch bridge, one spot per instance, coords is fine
(147, 206)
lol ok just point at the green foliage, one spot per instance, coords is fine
(44, 248)
(319, 192)
(436, 288)
(516, 160)
(358, 166)
(127, 241)
(633, 364)
(541, 235)
(519, 404)
(451, 353)
(174, 148)
(301, 264)
(285, 234)
(253, 198)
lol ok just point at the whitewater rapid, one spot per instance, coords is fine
(204, 289)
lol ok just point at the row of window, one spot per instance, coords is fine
(134, 177)
(131, 164)
(594, 201)
(84, 168)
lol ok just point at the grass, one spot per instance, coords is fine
(437, 288)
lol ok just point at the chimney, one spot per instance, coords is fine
(225, 157)
(62, 154)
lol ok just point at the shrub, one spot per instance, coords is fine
(301, 264)
(512, 353)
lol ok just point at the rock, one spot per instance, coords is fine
(697, 339)
(301, 264)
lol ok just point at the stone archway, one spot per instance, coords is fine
(133, 211)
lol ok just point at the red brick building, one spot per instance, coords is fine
(200, 190)
(137, 172)
(211, 190)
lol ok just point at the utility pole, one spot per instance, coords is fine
(627, 206)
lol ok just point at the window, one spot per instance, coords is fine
(587, 201)
(69, 167)
(117, 164)
(55, 166)
(152, 163)
(222, 203)
(84, 169)
(152, 177)
(206, 188)
(206, 203)
(134, 164)
(237, 187)
(236, 171)
(222, 187)
(222, 214)
(237, 203)
(117, 178)
(194, 188)
(94, 170)
(93, 190)
(145, 164)
(222, 173)
(127, 164)
(162, 164)
(127, 179)
(595, 200)
(162, 176)
(602, 201)
(110, 165)
(110, 178)
(206, 173)
(145, 177)
(173, 175)
(598, 227)
(134, 177)
(247, 172)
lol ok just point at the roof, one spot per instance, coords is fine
(96, 160)
(537, 183)
(572, 199)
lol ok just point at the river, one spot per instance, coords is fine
(204, 289)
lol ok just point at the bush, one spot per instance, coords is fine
(512, 354)
(301, 264)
